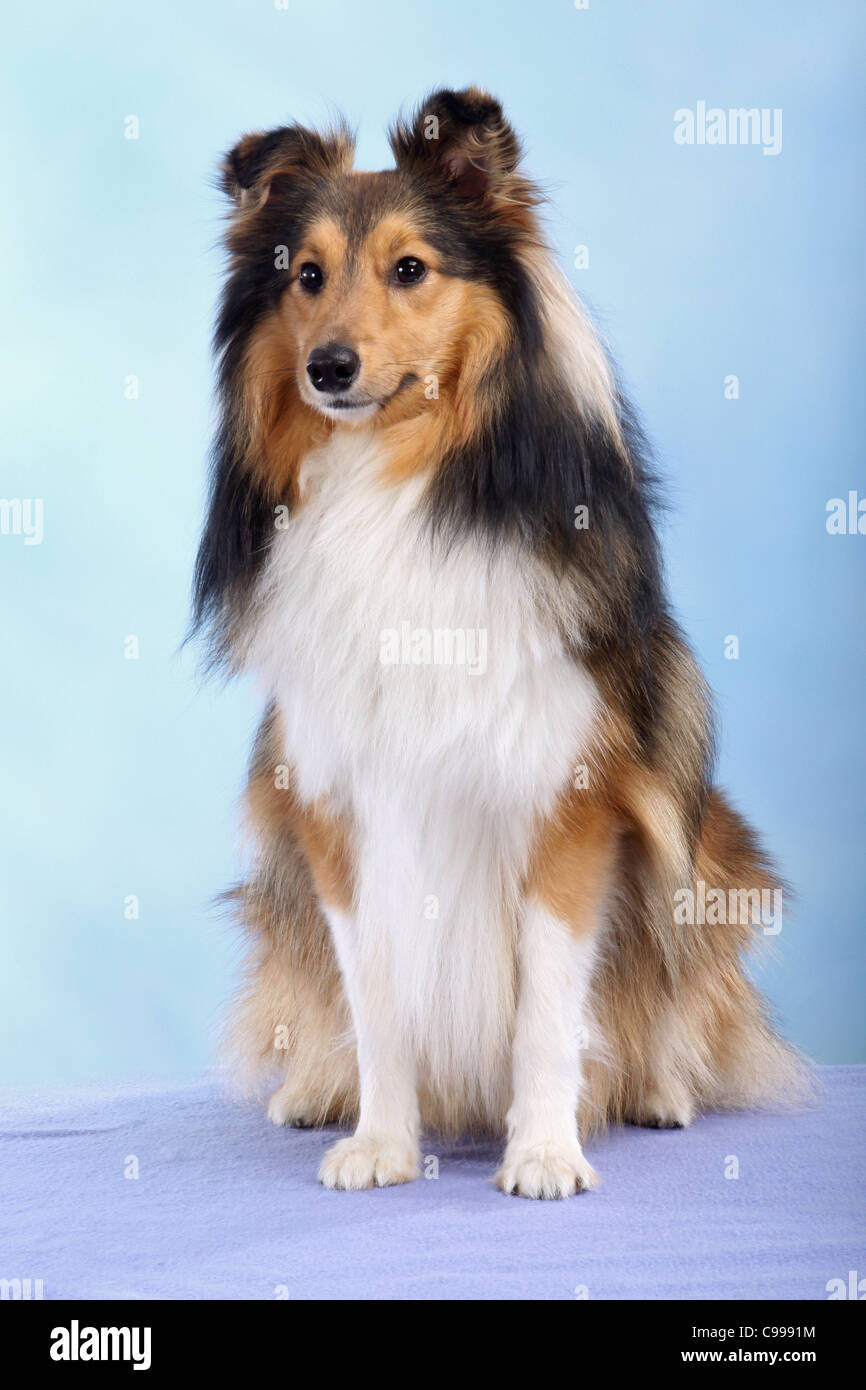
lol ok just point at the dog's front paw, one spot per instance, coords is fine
(545, 1170)
(361, 1162)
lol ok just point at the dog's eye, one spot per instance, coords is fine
(311, 277)
(409, 270)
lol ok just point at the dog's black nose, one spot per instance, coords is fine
(333, 368)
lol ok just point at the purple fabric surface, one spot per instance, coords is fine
(227, 1206)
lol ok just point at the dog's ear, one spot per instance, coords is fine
(290, 152)
(463, 141)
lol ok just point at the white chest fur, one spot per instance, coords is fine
(422, 691)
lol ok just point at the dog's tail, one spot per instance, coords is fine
(683, 1028)
(752, 1064)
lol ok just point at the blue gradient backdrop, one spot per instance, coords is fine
(121, 776)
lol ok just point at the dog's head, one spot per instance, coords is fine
(365, 296)
(421, 305)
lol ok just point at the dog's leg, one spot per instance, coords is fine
(557, 949)
(384, 1148)
(543, 1157)
(287, 1107)
(666, 1101)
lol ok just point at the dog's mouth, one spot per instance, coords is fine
(357, 406)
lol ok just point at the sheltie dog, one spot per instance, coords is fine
(481, 791)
